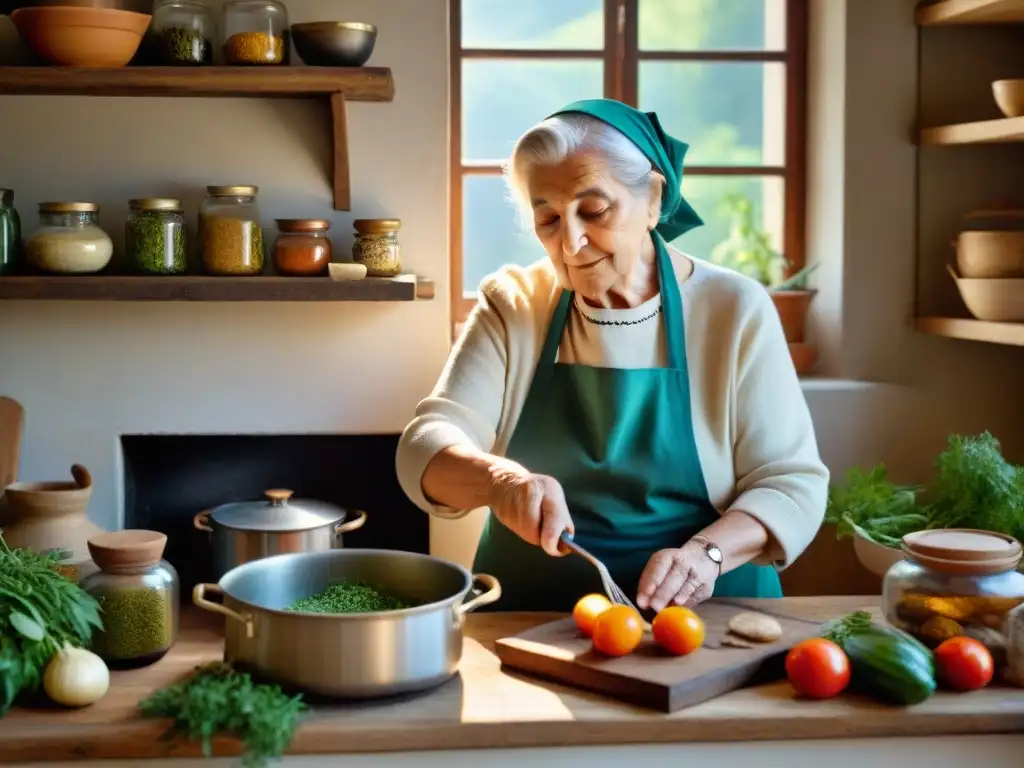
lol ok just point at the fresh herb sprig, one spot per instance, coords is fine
(219, 700)
(40, 611)
(349, 597)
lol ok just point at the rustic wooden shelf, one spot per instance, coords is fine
(1003, 131)
(337, 84)
(970, 12)
(203, 288)
(972, 330)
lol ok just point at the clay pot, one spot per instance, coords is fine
(50, 515)
(792, 306)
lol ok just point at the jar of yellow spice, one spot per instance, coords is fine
(230, 235)
(377, 246)
(255, 32)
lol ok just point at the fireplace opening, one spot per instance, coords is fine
(168, 479)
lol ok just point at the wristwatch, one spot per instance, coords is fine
(711, 550)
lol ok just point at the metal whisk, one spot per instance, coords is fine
(611, 589)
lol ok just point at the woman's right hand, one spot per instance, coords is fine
(532, 506)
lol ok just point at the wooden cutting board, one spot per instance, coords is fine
(649, 676)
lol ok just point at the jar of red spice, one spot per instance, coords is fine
(302, 248)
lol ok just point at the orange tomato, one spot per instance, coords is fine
(586, 611)
(618, 630)
(678, 630)
(818, 668)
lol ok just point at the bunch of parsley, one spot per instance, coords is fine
(974, 486)
(40, 611)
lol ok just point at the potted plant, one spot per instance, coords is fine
(748, 250)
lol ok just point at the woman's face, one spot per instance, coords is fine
(592, 227)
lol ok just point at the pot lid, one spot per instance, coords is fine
(964, 551)
(279, 512)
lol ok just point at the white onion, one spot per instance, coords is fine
(76, 677)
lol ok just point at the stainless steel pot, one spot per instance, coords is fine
(356, 655)
(249, 530)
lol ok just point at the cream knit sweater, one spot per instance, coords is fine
(753, 429)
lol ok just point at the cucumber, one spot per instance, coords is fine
(886, 663)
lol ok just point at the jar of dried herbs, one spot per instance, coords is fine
(155, 236)
(10, 234)
(181, 34)
(255, 32)
(377, 246)
(139, 595)
(230, 234)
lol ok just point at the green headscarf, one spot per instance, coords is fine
(665, 153)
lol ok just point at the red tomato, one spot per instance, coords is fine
(818, 668)
(964, 664)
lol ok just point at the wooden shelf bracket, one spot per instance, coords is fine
(339, 137)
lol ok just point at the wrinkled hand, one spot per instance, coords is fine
(532, 506)
(684, 576)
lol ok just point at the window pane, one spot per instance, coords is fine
(501, 99)
(491, 232)
(731, 113)
(707, 194)
(565, 24)
(712, 25)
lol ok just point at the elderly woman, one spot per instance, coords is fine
(640, 400)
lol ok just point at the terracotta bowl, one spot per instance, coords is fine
(875, 557)
(81, 37)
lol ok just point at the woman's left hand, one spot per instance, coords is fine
(683, 576)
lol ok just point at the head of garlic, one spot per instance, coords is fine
(76, 677)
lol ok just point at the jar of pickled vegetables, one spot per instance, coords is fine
(230, 232)
(956, 582)
(138, 593)
(255, 32)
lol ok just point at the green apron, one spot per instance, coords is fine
(622, 445)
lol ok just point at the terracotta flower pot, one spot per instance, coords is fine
(792, 306)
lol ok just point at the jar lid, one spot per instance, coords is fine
(302, 225)
(376, 226)
(155, 204)
(964, 551)
(54, 207)
(128, 551)
(279, 512)
(238, 191)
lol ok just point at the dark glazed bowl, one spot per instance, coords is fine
(334, 43)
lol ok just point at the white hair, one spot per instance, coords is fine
(558, 137)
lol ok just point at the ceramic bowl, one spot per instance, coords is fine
(875, 557)
(334, 43)
(1009, 96)
(81, 37)
(990, 254)
(994, 300)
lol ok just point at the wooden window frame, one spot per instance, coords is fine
(622, 57)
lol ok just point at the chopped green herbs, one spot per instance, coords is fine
(155, 242)
(348, 597)
(40, 611)
(218, 700)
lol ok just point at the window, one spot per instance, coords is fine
(725, 76)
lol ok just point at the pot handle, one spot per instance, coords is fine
(492, 594)
(201, 522)
(351, 525)
(199, 598)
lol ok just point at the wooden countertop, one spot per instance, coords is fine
(485, 707)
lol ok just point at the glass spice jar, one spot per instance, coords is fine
(955, 582)
(302, 248)
(69, 240)
(181, 33)
(155, 236)
(1013, 672)
(138, 594)
(231, 238)
(10, 234)
(377, 246)
(255, 32)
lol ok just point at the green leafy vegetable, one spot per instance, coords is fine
(220, 700)
(348, 597)
(973, 487)
(40, 611)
